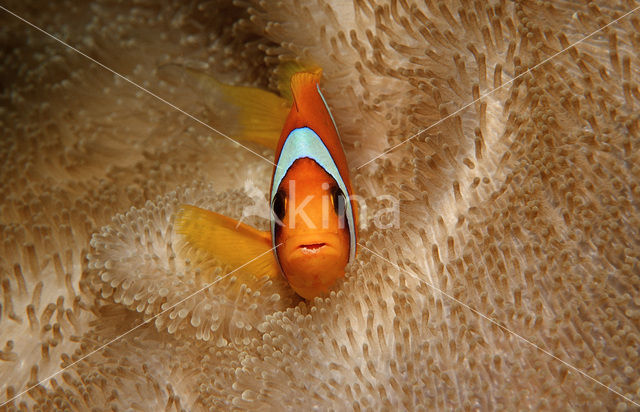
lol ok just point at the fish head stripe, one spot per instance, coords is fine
(301, 143)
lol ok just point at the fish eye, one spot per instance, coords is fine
(279, 204)
(339, 201)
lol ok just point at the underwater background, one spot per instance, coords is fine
(511, 281)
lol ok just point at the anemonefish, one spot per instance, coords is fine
(313, 219)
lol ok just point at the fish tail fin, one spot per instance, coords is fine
(230, 242)
(243, 113)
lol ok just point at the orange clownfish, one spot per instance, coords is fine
(313, 214)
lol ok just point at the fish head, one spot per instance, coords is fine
(310, 224)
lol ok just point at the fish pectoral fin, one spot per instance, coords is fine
(242, 113)
(227, 240)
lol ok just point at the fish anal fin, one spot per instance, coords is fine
(230, 242)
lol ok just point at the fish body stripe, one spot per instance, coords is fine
(335, 126)
(301, 143)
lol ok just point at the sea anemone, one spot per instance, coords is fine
(508, 133)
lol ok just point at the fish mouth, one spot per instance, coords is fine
(312, 262)
(312, 247)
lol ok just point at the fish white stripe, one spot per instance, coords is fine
(301, 143)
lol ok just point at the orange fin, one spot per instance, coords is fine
(243, 113)
(285, 73)
(228, 241)
(303, 85)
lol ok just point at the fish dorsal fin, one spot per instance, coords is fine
(285, 71)
(303, 84)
